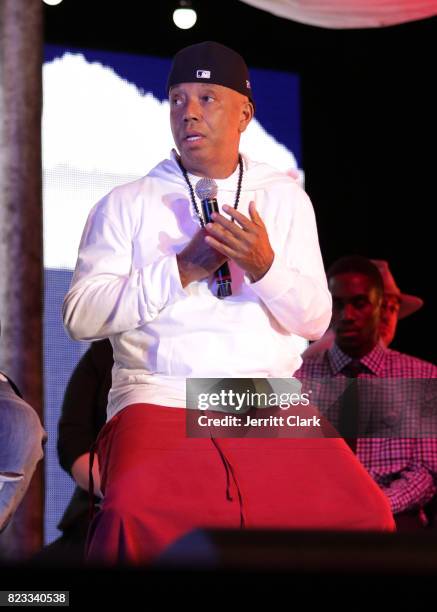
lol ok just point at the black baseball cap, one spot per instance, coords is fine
(211, 62)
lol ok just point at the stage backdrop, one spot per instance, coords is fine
(106, 122)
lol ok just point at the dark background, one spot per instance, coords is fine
(368, 127)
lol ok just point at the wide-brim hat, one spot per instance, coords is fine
(407, 303)
(211, 62)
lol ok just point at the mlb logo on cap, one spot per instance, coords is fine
(203, 74)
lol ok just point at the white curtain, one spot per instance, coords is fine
(349, 13)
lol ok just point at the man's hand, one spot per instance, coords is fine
(198, 260)
(80, 473)
(245, 242)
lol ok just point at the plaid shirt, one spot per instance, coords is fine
(404, 467)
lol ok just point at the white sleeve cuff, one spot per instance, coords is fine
(272, 284)
(162, 286)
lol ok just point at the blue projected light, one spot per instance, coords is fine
(276, 93)
(106, 122)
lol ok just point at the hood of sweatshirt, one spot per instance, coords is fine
(257, 175)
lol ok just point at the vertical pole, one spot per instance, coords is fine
(21, 261)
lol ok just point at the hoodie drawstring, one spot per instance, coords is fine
(230, 472)
(91, 507)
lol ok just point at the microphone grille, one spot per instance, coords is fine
(206, 189)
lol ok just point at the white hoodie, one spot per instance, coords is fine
(126, 286)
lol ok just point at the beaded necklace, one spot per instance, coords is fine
(191, 190)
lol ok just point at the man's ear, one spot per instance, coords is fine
(247, 113)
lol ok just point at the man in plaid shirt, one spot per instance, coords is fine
(390, 424)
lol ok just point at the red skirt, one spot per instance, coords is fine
(158, 485)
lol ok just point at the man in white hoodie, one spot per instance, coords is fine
(145, 278)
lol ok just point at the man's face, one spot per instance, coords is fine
(389, 318)
(207, 121)
(355, 314)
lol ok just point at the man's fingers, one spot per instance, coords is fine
(245, 222)
(223, 228)
(219, 246)
(226, 223)
(235, 214)
(232, 238)
(254, 213)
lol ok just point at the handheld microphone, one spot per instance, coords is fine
(206, 191)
